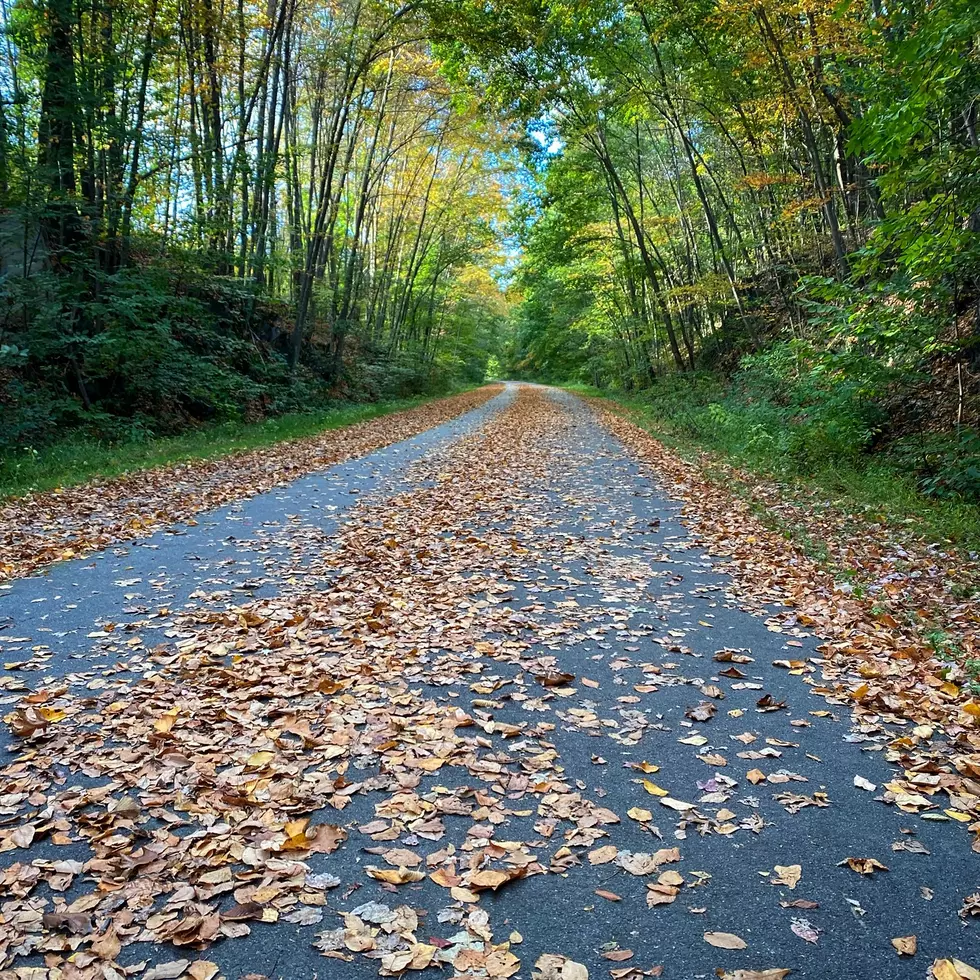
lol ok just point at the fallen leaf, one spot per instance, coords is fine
(725, 940)
(618, 955)
(754, 974)
(551, 966)
(609, 896)
(788, 875)
(167, 971)
(805, 929)
(603, 855)
(863, 866)
(395, 876)
(705, 711)
(554, 678)
(76, 923)
(203, 970)
(678, 805)
(107, 946)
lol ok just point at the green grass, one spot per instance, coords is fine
(77, 460)
(871, 490)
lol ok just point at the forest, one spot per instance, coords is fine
(759, 219)
(489, 489)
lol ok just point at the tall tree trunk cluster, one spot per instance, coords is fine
(310, 151)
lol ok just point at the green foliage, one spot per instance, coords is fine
(155, 350)
(832, 280)
(211, 219)
(946, 464)
(695, 413)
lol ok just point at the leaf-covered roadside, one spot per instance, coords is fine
(880, 656)
(45, 527)
(477, 700)
(222, 776)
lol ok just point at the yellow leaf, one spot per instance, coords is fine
(966, 971)
(653, 789)
(957, 815)
(788, 875)
(395, 876)
(166, 721)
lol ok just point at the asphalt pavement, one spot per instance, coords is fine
(659, 610)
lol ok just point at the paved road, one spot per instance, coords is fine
(572, 552)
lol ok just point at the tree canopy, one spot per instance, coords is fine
(222, 207)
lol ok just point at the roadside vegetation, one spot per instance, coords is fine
(75, 459)
(707, 418)
(229, 216)
(758, 227)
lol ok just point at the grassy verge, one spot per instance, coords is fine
(77, 460)
(867, 491)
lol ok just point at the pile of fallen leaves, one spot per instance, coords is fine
(878, 661)
(67, 523)
(369, 759)
(219, 775)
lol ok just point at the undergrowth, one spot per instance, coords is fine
(813, 458)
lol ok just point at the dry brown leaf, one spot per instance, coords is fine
(702, 712)
(607, 895)
(725, 940)
(167, 971)
(554, 678)
(603, 855)
(863, 866)
(394, 876)
(552, 966)
(788, 875)
(400, 857)
(107, 946)
(203, 970)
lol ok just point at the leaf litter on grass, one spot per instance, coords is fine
(56, 525)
